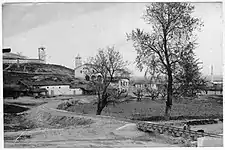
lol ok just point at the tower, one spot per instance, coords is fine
(211, 65)
(78, 71)
(78, 61)
(41, 54)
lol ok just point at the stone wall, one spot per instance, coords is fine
(173, 131)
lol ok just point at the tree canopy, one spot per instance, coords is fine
(107, 64)
(172, 31)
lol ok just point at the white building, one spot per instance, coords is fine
(55, 90)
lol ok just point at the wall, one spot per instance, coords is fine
(23, 61)
(62, 90)
(174, 131)
(79, 73)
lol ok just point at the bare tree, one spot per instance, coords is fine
(172, 31)
(105, 65)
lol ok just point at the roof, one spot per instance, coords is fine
(45, 83)
(13, 56)
(82, 66)
(82, 86)
(116, 79)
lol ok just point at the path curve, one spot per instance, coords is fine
(97, 134)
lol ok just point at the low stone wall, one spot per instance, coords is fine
(173, 131)
(195, 122)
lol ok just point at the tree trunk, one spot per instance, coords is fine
(101, 105)
(169, 95)
(167, 112)
(100, 108)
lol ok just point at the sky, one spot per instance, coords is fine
(69, 29)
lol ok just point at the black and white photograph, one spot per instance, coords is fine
(112, 74)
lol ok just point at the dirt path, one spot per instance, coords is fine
(98, 134)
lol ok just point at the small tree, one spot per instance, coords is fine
(152, 75)
(106, 65)
(139, 94)
(172, 31)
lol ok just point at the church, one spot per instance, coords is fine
(82, 71)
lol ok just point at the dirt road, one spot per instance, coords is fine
(98, 134)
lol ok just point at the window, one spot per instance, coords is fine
(47, 87)
(81, 71)
(59, 87)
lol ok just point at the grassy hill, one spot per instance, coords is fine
(39, 68)
(28, 71)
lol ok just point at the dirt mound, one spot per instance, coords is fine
(64, 105)
(65, 121)
(47, 120)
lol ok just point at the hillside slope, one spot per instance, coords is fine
(36, 72)
(39, 68)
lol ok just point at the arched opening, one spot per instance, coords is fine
(87, 78)
(99, 77)
(93, 77)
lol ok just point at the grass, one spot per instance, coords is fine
(198, 108)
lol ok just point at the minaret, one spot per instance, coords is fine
(78, 70)
(211, 69)
(211, 66)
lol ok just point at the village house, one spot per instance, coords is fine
(144, 85)
(56, 88)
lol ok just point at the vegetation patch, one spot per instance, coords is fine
(15, 122)
(10, 108)
(148, 110)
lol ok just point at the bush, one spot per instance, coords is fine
(64, 105)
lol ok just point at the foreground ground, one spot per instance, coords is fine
(91, 132)
(45, 126)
